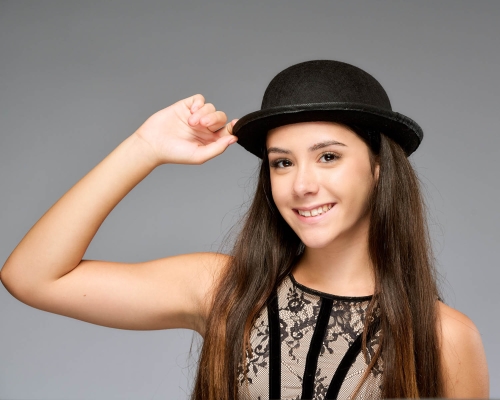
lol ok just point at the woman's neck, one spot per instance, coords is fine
(343, 268)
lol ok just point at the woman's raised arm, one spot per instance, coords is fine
(46, 269)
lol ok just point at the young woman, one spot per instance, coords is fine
(329, 291)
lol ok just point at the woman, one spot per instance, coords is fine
(329, 291)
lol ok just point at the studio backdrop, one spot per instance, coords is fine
(78, 77)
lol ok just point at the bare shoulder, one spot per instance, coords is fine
(462, 353)
(210, 267)
(206, 270)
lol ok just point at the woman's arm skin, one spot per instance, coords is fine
(46, 269)
(462, 353)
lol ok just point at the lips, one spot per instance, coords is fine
(314, 211)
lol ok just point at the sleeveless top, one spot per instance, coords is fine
(306, 344)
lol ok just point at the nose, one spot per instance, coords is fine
(305, 181)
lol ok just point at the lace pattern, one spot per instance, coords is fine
(298, 308)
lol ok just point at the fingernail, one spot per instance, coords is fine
(233, 139)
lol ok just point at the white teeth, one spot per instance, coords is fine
(315, 212)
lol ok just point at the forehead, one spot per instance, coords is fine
(310, 132)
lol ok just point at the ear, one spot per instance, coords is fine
(377, 171)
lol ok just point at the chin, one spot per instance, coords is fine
(316, 242)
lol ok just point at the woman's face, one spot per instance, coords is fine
(321, 164)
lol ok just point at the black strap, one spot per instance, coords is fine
(274, 348)
(346, 363)
(315, 348)
(343, 368)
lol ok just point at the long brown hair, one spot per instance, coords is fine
(405, 285)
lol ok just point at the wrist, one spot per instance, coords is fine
(144, 150)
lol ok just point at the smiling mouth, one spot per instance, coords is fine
(315, 212)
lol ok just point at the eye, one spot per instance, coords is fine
(278, 163)
(329, 157)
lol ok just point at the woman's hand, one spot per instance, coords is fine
(187, 132)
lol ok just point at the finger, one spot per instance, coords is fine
(206, 152)
(195, 102)
(204, 110)
(214, 121)
(231, 125)
(228, 129)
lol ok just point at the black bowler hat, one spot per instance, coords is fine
(327, 90)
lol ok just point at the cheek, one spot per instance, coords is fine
(277, 191)
(352, 185)
(281, 192)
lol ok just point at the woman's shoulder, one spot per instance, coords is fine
(455, 322)
(211, 267)
(462, 353)
(214, 262)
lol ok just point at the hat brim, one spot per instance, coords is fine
(252, 129)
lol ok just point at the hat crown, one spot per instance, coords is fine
(324, 81)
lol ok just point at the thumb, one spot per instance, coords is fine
(213, 149)
(230, 126)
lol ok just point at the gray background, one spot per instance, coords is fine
(78, 77)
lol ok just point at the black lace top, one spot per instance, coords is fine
(307, 345)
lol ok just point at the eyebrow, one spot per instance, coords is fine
(312, 148)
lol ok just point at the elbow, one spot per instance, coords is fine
(15, 284)
(8, 282)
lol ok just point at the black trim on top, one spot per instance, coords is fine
(274, 348)
(315, 348)
(346, 363)
(327, 295)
